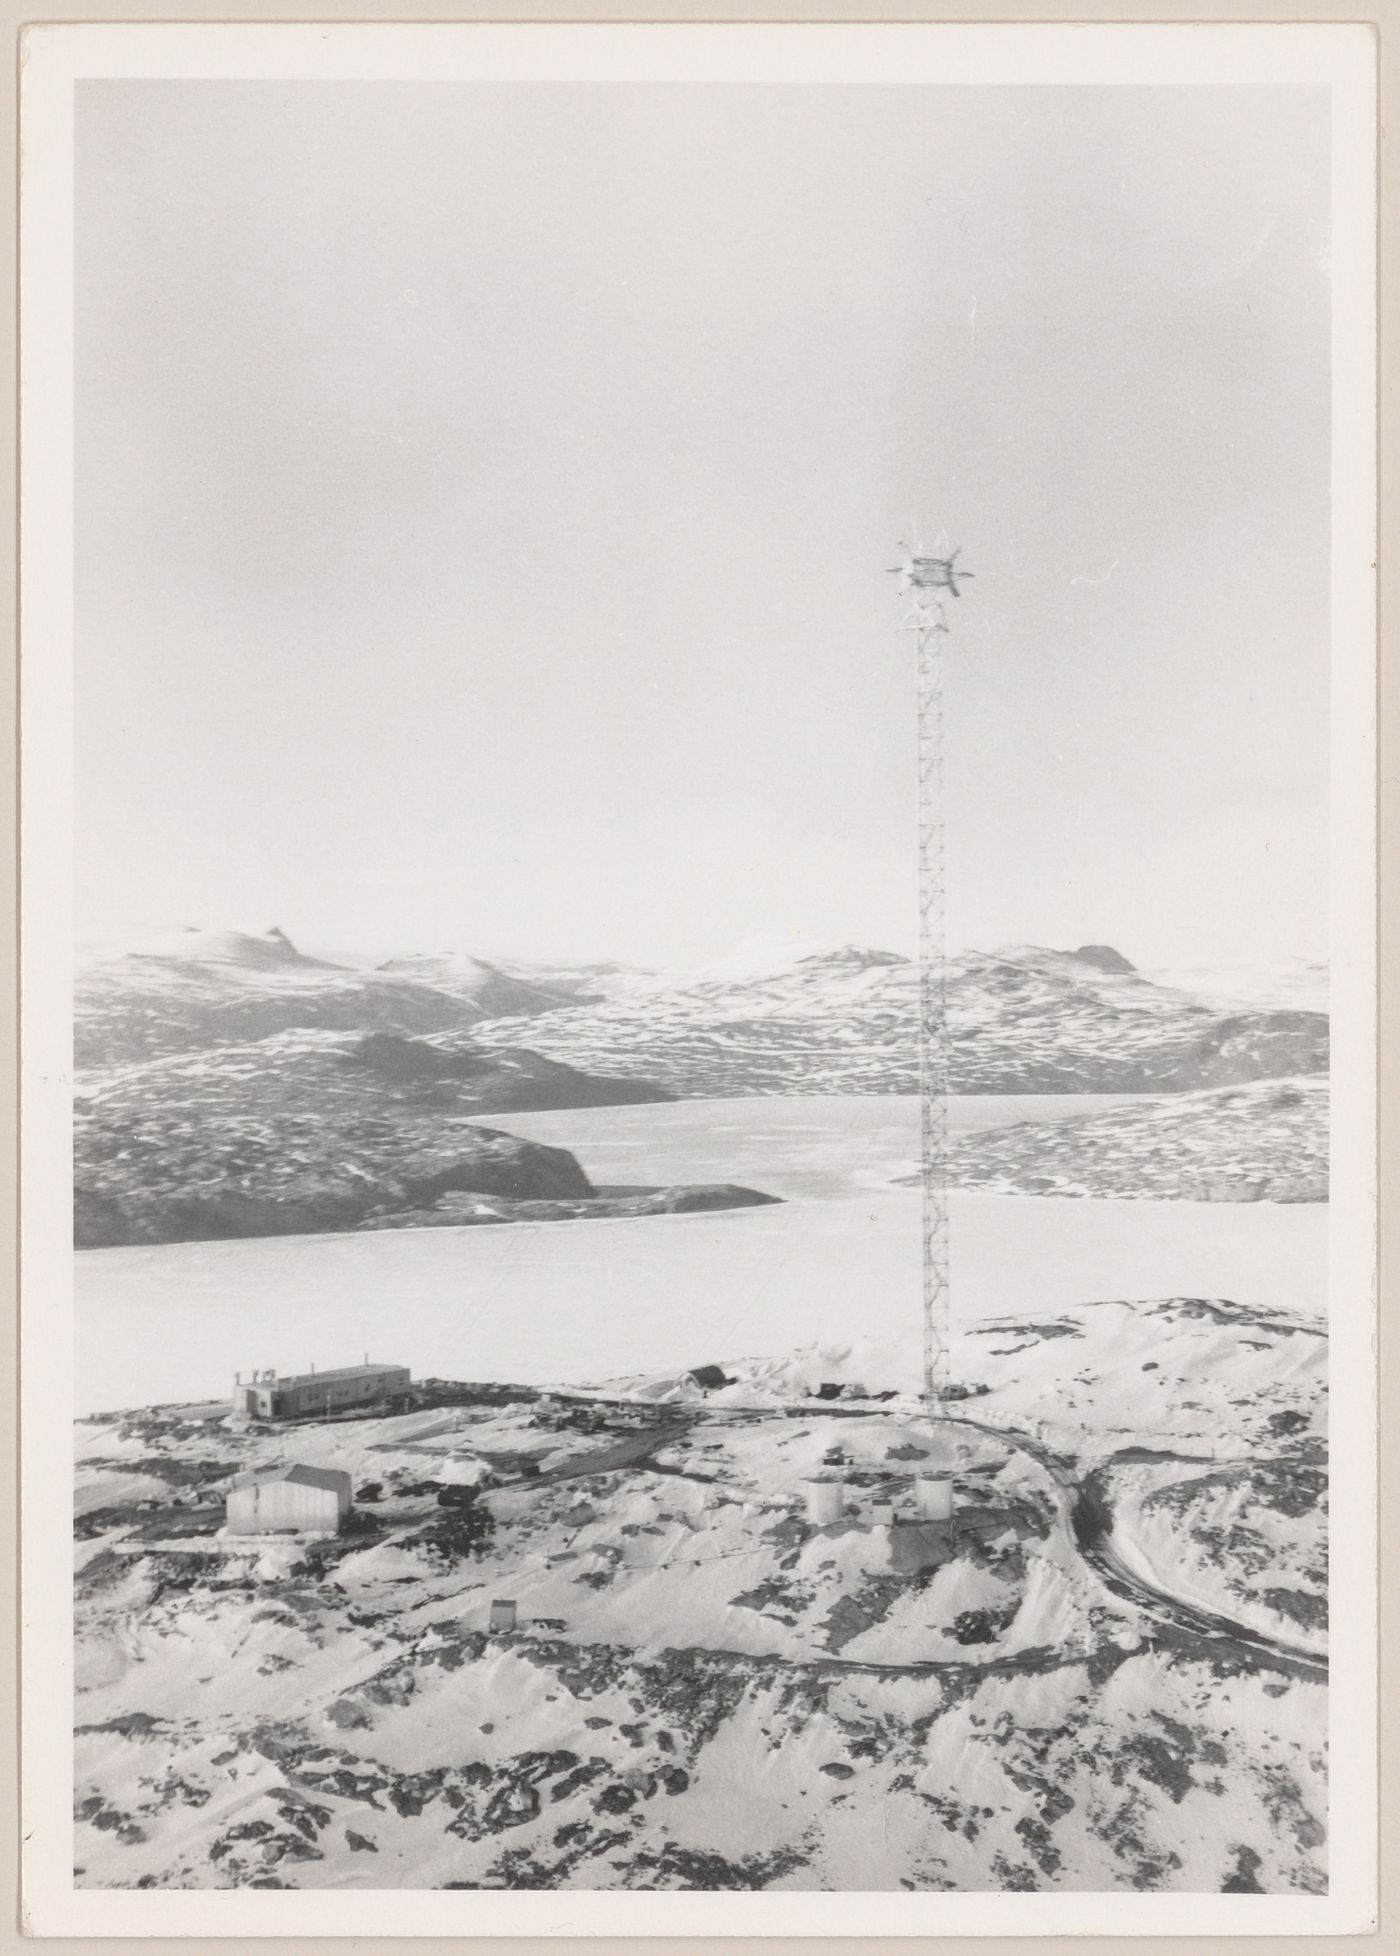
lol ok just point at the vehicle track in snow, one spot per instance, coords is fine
(1089, 1522)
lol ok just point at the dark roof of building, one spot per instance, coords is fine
(334, 1479)
(341, 1372)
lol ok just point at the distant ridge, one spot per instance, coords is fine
(265, 950)
(186, 991)
(819, 1018)
(494, 993)
(844, 1019)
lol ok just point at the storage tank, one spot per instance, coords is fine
(826, 1498)
(935, 1497)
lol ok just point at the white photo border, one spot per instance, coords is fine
(53, 59)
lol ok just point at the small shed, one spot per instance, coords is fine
(289, 1500)
(502, 1616)
(709, 1377)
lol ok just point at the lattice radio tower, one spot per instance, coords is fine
(924, 579)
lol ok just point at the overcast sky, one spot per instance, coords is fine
(484, 494)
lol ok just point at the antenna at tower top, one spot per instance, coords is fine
(917, 571)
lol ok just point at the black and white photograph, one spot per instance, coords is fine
(719, 945)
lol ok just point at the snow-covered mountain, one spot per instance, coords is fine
(842, 1019)
(1021, 1020)
(188, 990)
(1106, 1672)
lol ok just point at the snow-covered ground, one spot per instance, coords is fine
(706, 1689)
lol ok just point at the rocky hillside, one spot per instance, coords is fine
(1023, 1020)
(196, 989)
(144, 1178)
(1106, 1672)
(310, 1131)
(1264, 1142)
(347, 1075)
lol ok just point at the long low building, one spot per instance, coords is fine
(266, 1395)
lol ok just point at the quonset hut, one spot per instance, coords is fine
(265, 1395)
(289, 1500)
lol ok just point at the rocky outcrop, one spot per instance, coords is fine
(1102, 957)
(228, 1181)
(1264, 1142)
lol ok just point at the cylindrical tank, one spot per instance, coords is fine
(935, 1495)
(826, 1497)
